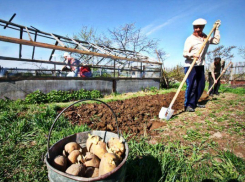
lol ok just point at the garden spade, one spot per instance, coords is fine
(219, 77)
(166, 113)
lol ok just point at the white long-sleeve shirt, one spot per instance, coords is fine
(193, 44)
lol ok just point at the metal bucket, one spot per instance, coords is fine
(54, 175)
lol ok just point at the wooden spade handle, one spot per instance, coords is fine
(192, 65)
(224, 70)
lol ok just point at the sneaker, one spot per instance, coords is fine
(201, 106)
(189, 109)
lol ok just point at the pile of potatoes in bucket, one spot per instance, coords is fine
(96, 159)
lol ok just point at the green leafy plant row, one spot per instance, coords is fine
(61, 96)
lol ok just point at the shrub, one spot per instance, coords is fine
(36, 97)
(61, 96)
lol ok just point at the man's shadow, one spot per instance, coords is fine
(146, 168)
(210, 180)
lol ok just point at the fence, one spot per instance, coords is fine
(237, 74)
(97, 71)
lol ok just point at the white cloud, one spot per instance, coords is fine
(151, 28)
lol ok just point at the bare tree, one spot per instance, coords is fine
(241, 51)
(222, 52)
(161, 54)
(89, 34)
(127, 37)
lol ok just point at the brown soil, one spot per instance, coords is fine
(220, 124)
(135, 116)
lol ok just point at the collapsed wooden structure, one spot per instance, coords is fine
(87, 51)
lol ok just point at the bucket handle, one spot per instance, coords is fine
(50, 131)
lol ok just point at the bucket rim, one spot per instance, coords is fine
(78, 178)
(51, 128)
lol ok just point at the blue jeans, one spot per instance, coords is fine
(76, 72)
(195, 85)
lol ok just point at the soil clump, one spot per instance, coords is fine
(135, 116)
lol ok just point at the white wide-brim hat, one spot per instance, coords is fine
(66, 54)
(199, 21)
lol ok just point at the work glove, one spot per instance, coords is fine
(218, 22)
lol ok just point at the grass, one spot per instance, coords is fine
(24, 133)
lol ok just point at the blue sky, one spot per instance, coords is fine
(170, 21)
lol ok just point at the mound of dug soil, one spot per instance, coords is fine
(137, 116)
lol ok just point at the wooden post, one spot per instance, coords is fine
(21, 34)
(114, 86)
(161, 71)
(141, 70)
(114, 68)
(35, 39)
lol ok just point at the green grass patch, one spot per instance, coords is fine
(24, 132)
(227, 88)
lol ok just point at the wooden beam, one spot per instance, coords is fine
(50, 46)
(62, 63)
(58, 40)
(31, 61)
(28, 34)
(9, 21)
(35, 39)
(78, 44)
(100, 61)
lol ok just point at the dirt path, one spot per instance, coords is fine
(218, 124)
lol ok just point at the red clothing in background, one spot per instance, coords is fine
(85, 71)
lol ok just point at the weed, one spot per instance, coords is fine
(198, 113)
(212, 115)
(192, 135)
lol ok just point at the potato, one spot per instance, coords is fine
(72, 158)
(99, 149)
(116, 146)
(76, 169)
(69, 147)
(92, 139)
(60, 163)
(91, 160)
(92, 172)
(109, 161)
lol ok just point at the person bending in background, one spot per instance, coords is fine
(72, 62)
(85, 71)
(196, 79)
(213, 73)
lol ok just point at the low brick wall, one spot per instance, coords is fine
(237, 82)
(19, 88)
